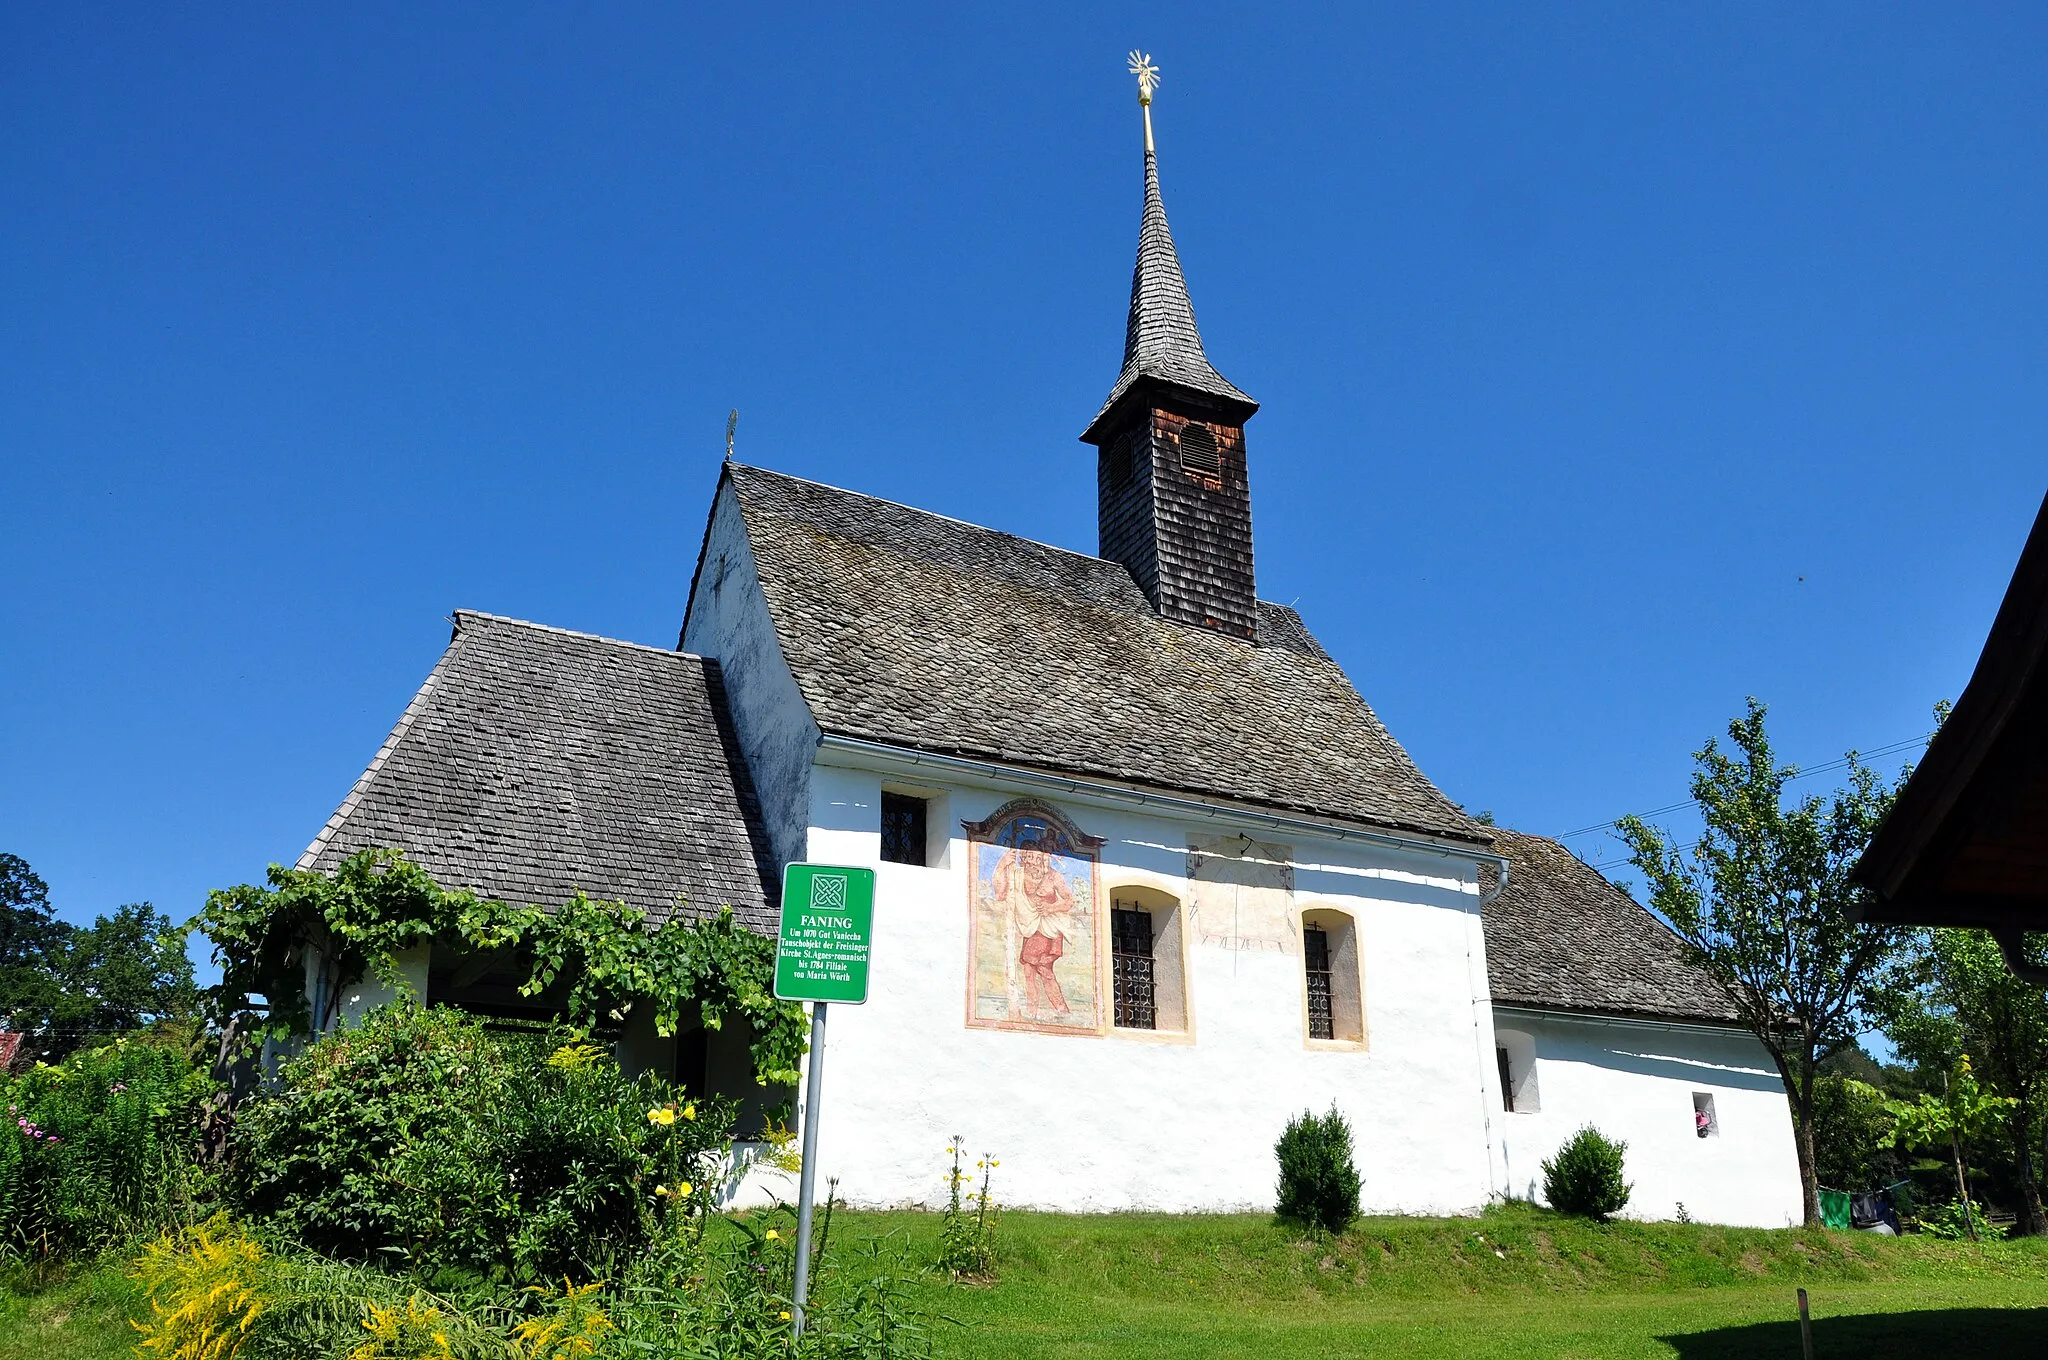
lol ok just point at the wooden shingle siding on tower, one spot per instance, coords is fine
(1203, 531)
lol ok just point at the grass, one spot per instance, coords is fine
(1514, 1283)
(76, 1314)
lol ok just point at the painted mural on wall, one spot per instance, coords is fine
(1035, 922)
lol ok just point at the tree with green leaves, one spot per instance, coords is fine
(64, 986)
(1959, 996)
(1850, 1127)
(31, 940)
(1764, 902)
(1963, 1111)
(124, 972)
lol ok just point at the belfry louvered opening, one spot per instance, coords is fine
(1119, 462)
(1199, 453)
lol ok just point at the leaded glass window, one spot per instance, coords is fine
(903, 828)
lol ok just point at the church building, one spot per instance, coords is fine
(1152, 876)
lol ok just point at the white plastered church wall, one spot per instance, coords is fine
(1134, 1120)
(1636, 1081)
(729, 622)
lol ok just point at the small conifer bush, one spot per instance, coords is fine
(1585, 1176)
(1318, 1183)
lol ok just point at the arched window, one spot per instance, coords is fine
(1516, 1053)
(1147, 972)
(1330, 976)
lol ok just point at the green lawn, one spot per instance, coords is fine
(78, 1315)
(1515, 1283)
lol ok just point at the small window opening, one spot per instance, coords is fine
(903, 828)
(1119, 462)
(1315, 948)
(1198, 452)
(1133, 969)
(1704, 1124)
(1516, 1053)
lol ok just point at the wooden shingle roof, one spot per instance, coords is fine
(1162, 344)
(1561, 937)
(915, 630)
(535, 762)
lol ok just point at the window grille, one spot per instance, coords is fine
(903, 828)
(1198, 451)
(1507, 1080)
(1130, 941)
(1315, 942)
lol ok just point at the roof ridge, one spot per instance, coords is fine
(951, 519)
(920, 510)
(575, 633)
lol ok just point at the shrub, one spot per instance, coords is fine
(419, 1138)
(100, 1148)
(1949, 1221)
(1318, 1183)
(1585, 1176)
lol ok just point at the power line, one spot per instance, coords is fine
(1804, 773)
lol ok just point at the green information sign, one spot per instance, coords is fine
(828, 922)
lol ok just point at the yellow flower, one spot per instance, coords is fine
(785, 1315)
(661, 1115)
(684, 1188)
(661, 1191)
(774, 1236)
(690, 1110)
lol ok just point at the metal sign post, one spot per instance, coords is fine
(821, 956)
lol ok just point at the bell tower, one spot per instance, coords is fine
(1172, 489)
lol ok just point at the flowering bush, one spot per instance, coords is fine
(100, 1147)
(218, 1293)
(422, 1138)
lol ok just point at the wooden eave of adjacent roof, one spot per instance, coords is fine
(1966, 844)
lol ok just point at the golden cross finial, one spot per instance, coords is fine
(1148, 81)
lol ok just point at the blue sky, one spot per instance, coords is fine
(1617, 361)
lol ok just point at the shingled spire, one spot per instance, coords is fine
(1174, 497)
